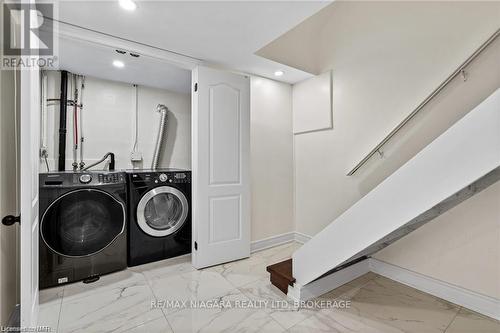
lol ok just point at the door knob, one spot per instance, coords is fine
(11, 219)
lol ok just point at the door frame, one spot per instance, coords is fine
(28, 192)
(9, 235)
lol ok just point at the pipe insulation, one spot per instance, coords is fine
(75, 122)
(160, 138)
(62, 121)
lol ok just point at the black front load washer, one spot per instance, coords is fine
(83, 231)
(159, 215)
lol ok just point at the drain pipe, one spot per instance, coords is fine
(111, 166)
(63, 103)
(161, 135)
(82, 137)
(75, 123)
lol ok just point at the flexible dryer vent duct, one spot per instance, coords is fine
(161, 135)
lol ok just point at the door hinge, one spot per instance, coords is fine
(196, 87)
(11, 219)
(195, 246)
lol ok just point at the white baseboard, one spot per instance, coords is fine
(272, 241)
(486, 305)
(302, 238)
(329, 282)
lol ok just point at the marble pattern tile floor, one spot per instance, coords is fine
(171, 296)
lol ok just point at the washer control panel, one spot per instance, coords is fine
(102, 178)
(110, 178)
(90, 178)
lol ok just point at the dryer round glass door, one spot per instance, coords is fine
(82, 222)
(162, 211)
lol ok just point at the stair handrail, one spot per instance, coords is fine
(434, 93)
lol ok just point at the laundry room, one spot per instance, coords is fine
(116, 114)
(115, 162)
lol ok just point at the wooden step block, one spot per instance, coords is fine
(281, 275)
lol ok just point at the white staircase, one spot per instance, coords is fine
(459, 163)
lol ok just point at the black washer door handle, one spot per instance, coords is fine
(11, 219)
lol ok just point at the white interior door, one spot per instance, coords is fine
(221, 172)
(29, 125)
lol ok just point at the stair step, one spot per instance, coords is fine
(281, 275)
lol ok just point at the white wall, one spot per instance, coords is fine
(109, 124)
(386, 57)
(271, 158)
(9, 295)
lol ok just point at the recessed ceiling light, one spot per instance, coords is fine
(278, 73)
(128, 4)
(118, 63)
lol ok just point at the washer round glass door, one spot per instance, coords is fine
(162, 211)
(82, 222)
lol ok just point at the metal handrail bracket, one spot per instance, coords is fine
(434, 93)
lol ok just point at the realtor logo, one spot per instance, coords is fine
(28, 35)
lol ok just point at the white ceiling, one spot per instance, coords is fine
(96, 60)
(222, 33)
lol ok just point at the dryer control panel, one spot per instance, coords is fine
(159, 177)
(174, 177)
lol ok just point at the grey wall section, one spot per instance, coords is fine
(461, 247)
(9, 295)
(109, 124)
(271, 143)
